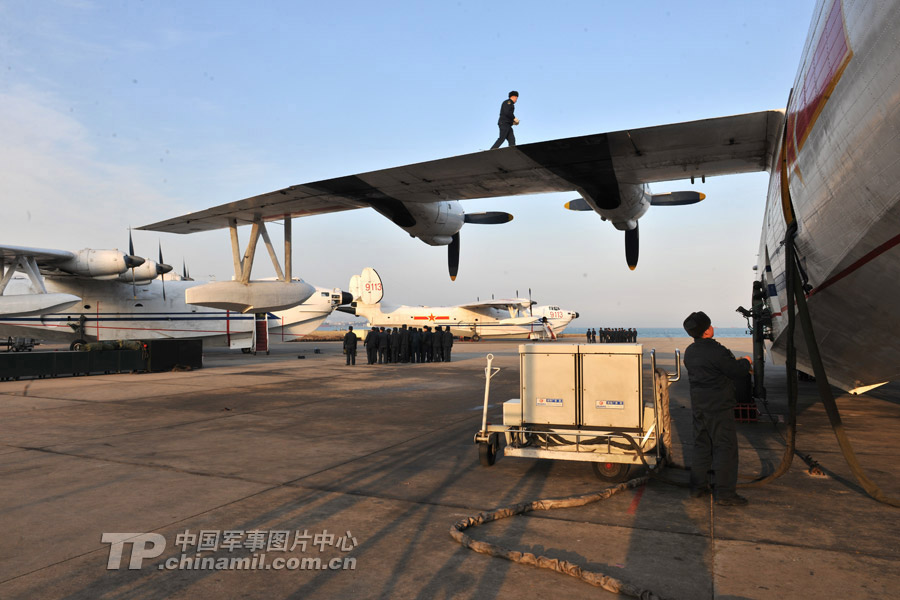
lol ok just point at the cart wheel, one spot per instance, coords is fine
(612, 472)
(487, 451)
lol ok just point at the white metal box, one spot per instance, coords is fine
(578, 385)
(611, 385)
(548, 383)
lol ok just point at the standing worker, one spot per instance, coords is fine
(437, 345)
(447, 343)
(350, 340)
(711, 367)
(507, 120)
(372, 346)
(382, 346)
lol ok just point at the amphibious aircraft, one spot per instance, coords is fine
(834, 173)
(514, 318)
(89, 295)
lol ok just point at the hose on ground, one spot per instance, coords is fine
(565, 567)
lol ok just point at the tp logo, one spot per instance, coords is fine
(143, 545)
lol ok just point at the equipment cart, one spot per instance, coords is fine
(583, 403)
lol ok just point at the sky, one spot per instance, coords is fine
(118, 114)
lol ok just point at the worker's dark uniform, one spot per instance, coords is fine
(426, 344)
(447, 344)
(383, 345)
(507, 114)
(414, 345)
(372, 346)
(711, 366)
(395, 345)
(350, 347)
(437, 345)
(404, 344)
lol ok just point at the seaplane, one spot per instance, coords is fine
(91, 295)
(832, 156)
(517, 318)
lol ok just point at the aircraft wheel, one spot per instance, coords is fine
(612, 472)
(246, 350)
(487, 451)
(77, 344)
(476, 338)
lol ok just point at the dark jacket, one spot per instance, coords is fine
(448, 339)
(711, 367)
(372, 339)
(507, 113)
(350, 340)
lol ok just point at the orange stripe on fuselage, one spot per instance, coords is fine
(829, 60)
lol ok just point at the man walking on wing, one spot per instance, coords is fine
(507, 120)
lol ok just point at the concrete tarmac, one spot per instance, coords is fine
(367, 467)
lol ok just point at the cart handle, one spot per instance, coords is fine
(489, 372)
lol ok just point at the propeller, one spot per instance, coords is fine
(482, 218)
(530, 304)
(453, 256)
(631, 247)
(185, 275)
(488, 218)
(130, 259)
(162, 268)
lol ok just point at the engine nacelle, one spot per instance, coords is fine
(434, 223)
(143, 274)
(100, 264)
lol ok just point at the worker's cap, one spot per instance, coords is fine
(696, 324)
(513, 93)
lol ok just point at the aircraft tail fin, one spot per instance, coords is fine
(366, 287)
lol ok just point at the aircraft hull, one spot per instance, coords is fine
(843, 162)
(110, 311)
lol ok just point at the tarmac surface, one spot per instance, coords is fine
(375, 463)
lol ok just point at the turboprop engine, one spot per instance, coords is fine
(100, 264)
(436, 224)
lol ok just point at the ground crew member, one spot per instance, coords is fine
(426, 344)
(350, 340)
(395, 346)
(587, 335)
(507, 120)
(383, 347)
(372, 346)
(437, 345)
(404, 344)
(414, 345)
(711, 367)
(447, 344)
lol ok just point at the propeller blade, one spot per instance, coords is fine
(488, 218)
(530, 304)
(453, 256)
(631, 247)
(162, 267)
(130, 243)
(676, 198)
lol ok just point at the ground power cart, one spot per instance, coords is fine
(583, 403)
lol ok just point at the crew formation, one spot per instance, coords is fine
(611, 336)
(408, 345)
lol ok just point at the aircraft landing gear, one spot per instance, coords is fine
(476, 337)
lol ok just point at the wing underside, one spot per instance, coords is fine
(725, 145)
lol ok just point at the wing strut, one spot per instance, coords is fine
(244, 266)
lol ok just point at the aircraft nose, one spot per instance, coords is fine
(576, 315)
(346, 298)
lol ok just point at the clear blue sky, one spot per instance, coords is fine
(125, 113)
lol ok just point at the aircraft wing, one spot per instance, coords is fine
(497, 304)
(725, 145)
(43, 256)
